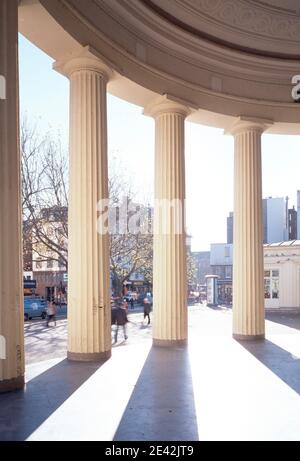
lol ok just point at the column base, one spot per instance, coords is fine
(10, 385)
(248, 337)
(89, 357)
(169, 342)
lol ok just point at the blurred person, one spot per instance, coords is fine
(147, 309)
(51, 313)
(121, 320)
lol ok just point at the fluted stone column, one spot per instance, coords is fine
(169, 265)
(11, 291)
(248, 266)
(89, 311)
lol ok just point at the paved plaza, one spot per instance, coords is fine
(215, 389)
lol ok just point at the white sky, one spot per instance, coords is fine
(44, 96)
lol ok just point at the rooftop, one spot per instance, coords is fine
(289, 243)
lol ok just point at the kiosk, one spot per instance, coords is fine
(212, 290)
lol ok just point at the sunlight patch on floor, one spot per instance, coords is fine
(95, 410)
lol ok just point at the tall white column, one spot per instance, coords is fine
(11, 297)
(169, 265)
(89, 310)
(248, 265)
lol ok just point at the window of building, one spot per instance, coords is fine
(272, 284)
(228, 272)
(227, 252)
(61, 262)
(39, 263)
(49, 263)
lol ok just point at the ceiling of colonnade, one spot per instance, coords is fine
(265, 27)
(225, 58)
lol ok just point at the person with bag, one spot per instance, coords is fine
(121, 320)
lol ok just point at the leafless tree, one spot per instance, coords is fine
(45, 210)
(44, 168)
(131, 252)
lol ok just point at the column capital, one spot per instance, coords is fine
(244, 123)
(165, 104)
(85, 59)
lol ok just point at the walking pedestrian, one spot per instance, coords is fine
(51, 313)
(121, 320)
(147, 309)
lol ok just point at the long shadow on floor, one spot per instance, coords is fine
(289, 320)
(281, 362)
(21, 413)
(162, 405)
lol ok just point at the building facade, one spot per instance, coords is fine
(49, 254)
(275, 218)
(202, 259)
(221, 262)
(51, 280)
(280, 223)
(292, 223)
(282, 275)
(298, 214)
(230, 228)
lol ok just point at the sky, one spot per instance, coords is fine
(44, 100)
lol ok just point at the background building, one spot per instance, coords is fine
(282, 275)
(279, 222)
(230, 228)
(202, 259)
(293, 224)
(298, 214)
(51, 279)
(221, 260)
(49, 250)
(275, 218)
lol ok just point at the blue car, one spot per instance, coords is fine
(34, 307)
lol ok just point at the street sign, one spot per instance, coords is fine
(29, 284)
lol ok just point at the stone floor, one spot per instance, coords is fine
(215, 389)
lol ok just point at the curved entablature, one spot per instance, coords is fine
(268, 28)
(152, 55)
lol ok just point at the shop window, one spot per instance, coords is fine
(272, 284)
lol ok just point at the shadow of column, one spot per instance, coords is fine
(162, 405)
(21, 413)
(281, 362)
(289, 320)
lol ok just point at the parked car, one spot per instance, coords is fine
(34, 307)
